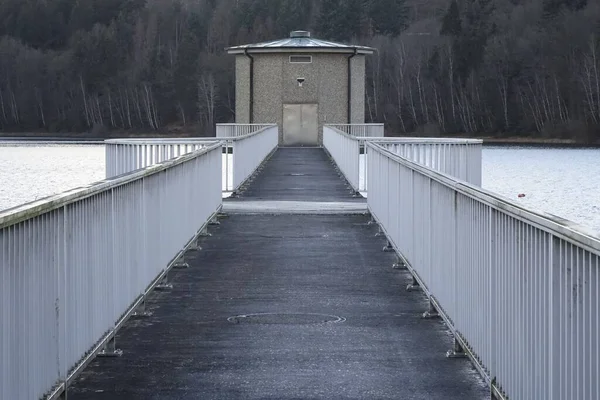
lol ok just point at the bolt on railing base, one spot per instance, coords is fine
(204, 233)
(399, 264)
(414, 285)
(457, 351)
(431, 313)
(110, 349)
(181, 265)
(388, 247)
(141, 311)
(195, 247)
(164, 284)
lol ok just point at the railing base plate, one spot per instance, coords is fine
(183, 265)
(410, 287)
(164, 286)
(110, 353)
(455, 354)
(430, 315)
(142, 314)
(399, 266)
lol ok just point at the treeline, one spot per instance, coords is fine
(506, 67)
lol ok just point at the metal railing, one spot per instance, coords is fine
(519, 289)
(126, 155)
(73, 267)
(460, 158)
(361, 130)
(344, 149)
(236, 130)
(249, 151)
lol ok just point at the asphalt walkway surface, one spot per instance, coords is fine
(299, 174)
(285, 307)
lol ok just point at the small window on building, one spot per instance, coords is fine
(301, 59)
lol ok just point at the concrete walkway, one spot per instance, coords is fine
(285, 307)
(299, 174)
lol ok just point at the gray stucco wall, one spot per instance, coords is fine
(242, 89)
(358, 90)
(275, 84)
(268, 87)
(333, 90)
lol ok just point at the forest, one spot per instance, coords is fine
(518, 68)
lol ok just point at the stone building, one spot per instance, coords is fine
(300, 83)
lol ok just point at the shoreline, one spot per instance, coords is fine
(84, 138)
(535, 142)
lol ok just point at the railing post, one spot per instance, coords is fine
(110, 348)
(556, 304)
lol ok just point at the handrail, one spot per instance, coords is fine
(344, 149)
(101, 247)
(249, 152)
(38, 207)
(517, 287)
(543, 219)
(160, 141)
(235, 130)
(125, 155)
(361, 130)
(458, 157)
(424, 140)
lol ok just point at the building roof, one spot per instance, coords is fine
(299, 41)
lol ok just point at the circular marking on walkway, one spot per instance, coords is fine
(285, 319)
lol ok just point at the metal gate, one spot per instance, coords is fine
(300, 125)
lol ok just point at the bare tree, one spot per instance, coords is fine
(207, 97)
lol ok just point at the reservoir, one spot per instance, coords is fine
(561, 181)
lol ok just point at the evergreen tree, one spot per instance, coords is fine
(554, 7)
(293, 15)
(451, 24)
(330, 24)
(354, 12)
(389, 17)
(469, 45)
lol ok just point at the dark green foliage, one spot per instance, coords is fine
(451, 24)
(293, 15)
(330, 24)
(553, 7)
(496, 66)
(389, 16)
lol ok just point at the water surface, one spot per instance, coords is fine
(561, 181)
(32, 171)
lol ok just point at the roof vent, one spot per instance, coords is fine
(300, 34)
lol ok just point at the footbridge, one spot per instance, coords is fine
(232, 268)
